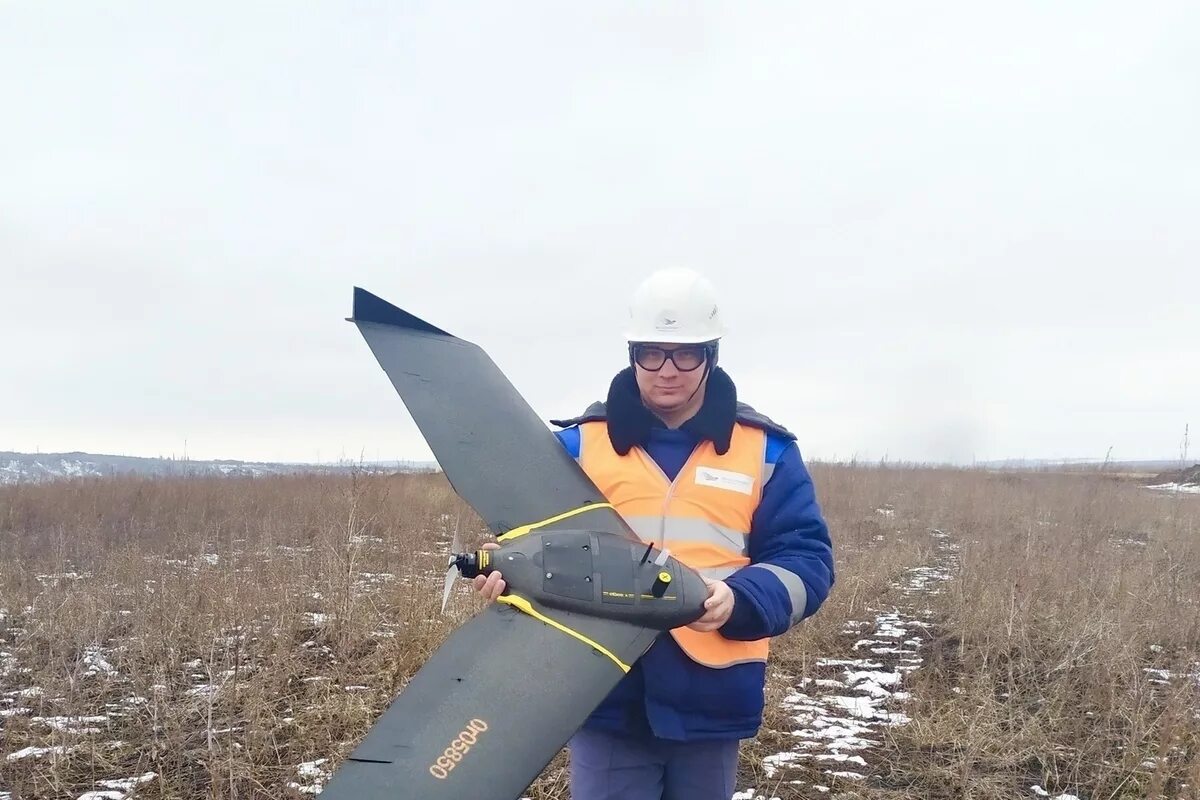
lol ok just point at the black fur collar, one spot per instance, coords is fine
(629, 421)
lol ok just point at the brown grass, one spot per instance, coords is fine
(284, 595)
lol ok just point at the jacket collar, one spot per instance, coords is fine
(630, 422)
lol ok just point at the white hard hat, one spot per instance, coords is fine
(675, 306)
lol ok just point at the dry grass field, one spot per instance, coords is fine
(991, 635)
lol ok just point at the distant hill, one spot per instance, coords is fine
(1080, 464)
(35, 467)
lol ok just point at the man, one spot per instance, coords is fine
(725, 490)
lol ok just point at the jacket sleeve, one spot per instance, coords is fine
(569, 437)
(791, 556)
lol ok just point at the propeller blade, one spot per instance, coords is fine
(451, 574)
(455, 549)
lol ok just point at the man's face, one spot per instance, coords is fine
(668, 388)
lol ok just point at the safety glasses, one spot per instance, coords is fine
(652, 357)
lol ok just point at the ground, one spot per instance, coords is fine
(990, 635)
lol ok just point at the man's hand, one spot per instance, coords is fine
(717, 607)
(492, 584)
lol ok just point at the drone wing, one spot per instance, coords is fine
(490, 708)
(495, 451)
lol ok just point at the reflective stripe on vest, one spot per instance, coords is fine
(703, 516)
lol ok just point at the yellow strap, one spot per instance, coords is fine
(524, 529)
(524, 605)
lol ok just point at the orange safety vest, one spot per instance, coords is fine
(703, 516)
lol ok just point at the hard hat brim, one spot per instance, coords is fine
(668, 338)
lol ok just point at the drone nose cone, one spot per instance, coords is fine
(470, 564)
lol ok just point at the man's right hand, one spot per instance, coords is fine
(492, 584)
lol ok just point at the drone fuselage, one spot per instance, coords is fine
(598, 574)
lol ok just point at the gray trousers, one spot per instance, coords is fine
(609, 767)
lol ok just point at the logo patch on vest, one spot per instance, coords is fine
(724, 479)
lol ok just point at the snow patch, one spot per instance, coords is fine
(1185, 488)
(54, 578)
(1040, 792)
(38, 752)
(771, 763)
(1159, 676)
(314, 776)
(75, 725)
(94, 660)
(118, 789)
(842, 717)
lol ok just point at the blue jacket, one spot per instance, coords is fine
(668, 695)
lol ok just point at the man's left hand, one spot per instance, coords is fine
(717, 607)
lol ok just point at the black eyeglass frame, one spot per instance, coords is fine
(709, 349)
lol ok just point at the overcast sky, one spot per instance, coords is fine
(941, 231)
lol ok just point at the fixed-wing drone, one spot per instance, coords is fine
(585, 599)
